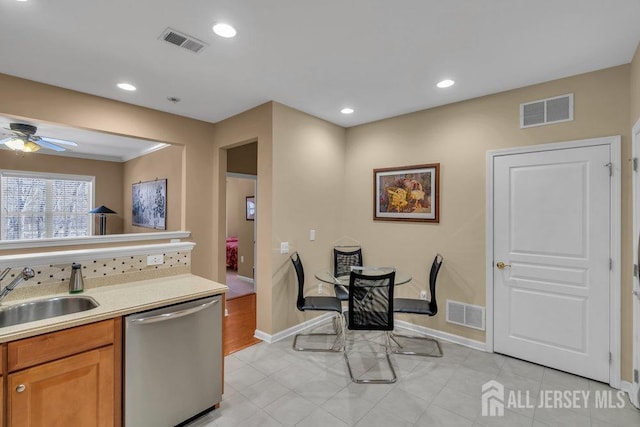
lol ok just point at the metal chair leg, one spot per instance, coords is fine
(397, 349)
(339, 334)
(374, 380)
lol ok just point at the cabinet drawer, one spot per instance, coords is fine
(43, 348)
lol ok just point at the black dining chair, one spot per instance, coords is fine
(316, 303)
(371, 309)
(345, 257)
(423, 307)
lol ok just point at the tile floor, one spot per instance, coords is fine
(272, 385)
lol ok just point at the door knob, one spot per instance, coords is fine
(501, 265)
(636, 293)
(21, 388)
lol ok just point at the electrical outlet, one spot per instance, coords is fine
(423, 295)
(284, 247)
(319, 288)
(155, 259)
(241, 258)
(312, 235)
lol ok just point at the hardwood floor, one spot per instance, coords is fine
(240, 324)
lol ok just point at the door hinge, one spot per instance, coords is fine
(610, 357)
(610, 166)
(610, 264)
(635, 376)
(634, 161)
(635, 270)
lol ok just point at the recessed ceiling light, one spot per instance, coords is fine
(347, 110)
(224, 30)
(445, 83)
(126, 86)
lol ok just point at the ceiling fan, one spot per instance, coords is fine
(23, 138)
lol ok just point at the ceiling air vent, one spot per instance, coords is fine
(183, 40)
(547, 111)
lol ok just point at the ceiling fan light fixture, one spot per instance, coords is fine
(16, 144)
(30, 147)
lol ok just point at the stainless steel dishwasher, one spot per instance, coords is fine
(172, 363)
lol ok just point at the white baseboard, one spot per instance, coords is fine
(245, 279)
(292, 330)
(456, 339)
(445, 336)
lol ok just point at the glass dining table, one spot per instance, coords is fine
(327, 277)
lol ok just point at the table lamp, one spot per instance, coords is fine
(102, 211)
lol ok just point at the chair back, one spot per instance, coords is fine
(297, 265)
(433, 275)
(344, 259)
(371, 300)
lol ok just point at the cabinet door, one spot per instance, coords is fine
(74, 391)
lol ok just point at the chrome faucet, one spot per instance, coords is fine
(26, 274)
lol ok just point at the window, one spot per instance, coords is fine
(36, 206)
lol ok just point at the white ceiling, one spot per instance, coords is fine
(383, 58)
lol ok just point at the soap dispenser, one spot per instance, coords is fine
(76, 284)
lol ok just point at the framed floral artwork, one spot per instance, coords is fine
(408, 193)
(251, 208)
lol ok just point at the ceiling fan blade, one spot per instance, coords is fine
(58, 141)
(50, 146)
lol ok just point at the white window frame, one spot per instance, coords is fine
(51, 176)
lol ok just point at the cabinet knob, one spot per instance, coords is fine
(21, 388)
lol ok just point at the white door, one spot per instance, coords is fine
(552, 232)
(635, 390)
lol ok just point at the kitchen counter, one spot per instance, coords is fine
(119, 300)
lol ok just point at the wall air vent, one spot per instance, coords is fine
(182, 40)
(547, 111)
(465, 314)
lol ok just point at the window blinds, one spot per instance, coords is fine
(36, 206)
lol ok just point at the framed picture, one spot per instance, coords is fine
(251, 208)
(407, 193)
(149, 204)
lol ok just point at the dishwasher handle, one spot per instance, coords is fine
(175, 314)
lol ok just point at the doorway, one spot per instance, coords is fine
(553, 274)
(240, 234)
(240, 257)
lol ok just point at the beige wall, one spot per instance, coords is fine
(238, 189)
(252, 126)
(27, 99)
(108, 178)
(308, 193)
(162, 164)
(243, 159)
(458, 136)
(635, 87)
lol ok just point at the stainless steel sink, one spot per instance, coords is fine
(44, 309)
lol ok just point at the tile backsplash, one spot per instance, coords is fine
(54, 278)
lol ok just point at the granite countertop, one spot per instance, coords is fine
(119, 300)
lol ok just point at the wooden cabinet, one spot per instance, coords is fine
(74, 391)
(65, 378)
